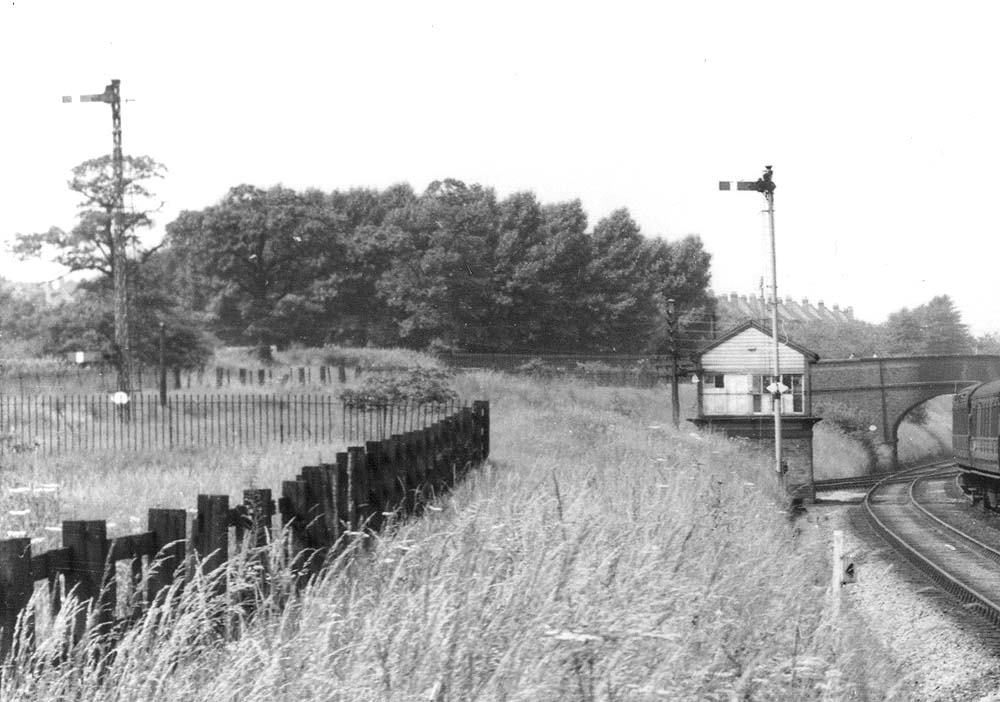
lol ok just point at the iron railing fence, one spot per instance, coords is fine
(52, 424)
(629, 370)
(321, 511)
(373, 422)
(102, 378)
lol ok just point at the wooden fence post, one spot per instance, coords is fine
(169, 528)
(390, 473)
(357, 469)
(210, 534)
(448, 452)
(87, 571)
(332, 510)
(481, 409)
(341, 494)
(219, 376)
(397, 474)
(320, 517)
(425, 469)
(464, 435)
(342, 373)
(15, 588)
(434, 459)
(294, 512)
(259, 511)
(378, 496)
(302, 375)
(411, 472)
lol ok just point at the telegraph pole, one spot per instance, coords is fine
(765, 185)
(119, 260)
(675, 400)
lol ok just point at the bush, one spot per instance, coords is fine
(416, 386)
(855, 424)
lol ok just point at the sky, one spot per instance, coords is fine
(881, 120)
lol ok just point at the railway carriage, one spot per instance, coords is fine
(975, 431)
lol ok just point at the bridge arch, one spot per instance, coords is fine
(885, 389)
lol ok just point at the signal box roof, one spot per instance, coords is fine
(812, 356)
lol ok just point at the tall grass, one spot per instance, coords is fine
(37, 493)
(599, 555)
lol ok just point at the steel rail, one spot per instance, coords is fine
(867, 481)
(990, 552)
(965, 594)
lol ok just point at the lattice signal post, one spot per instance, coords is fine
(123, 343)
(765, 185)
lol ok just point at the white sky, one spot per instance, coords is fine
(881, 121)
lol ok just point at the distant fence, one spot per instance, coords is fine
(102, 378)
(323, 504)
(379, 421)
(49, 424)
(601, 369)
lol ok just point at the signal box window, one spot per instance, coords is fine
(791, 400)
(715, 380)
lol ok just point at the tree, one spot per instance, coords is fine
(88, 245)
(944, 329)
(681, 272)
(258, 252)
(439, 283)
(836, 339)
(621, 303)
(564, 252)
(20, 309)
(86, 322)
(935, 327)
(517, 291)
(350, 309)
(988, 343)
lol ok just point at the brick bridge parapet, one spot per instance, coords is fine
(887, 388)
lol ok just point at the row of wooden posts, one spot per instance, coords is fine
(103, 377)
(354, 495)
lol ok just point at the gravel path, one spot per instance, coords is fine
(949, 653)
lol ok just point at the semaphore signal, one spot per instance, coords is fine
(123, 344)
(765, 185)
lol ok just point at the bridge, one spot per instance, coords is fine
(888, 388)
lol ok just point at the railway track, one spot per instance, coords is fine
(915, 514)
(862, 481)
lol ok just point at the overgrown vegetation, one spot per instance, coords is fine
(600, 555)
(451, 268)
(414, 386)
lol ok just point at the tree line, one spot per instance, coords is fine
(454, 267)
(451, 268)
(933, 328)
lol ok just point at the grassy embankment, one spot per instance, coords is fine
(838, 455)
(599, 555)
